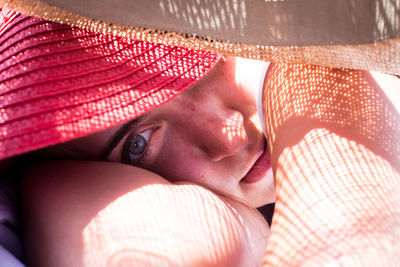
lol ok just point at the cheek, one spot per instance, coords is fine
(179, 167)
(177, 160)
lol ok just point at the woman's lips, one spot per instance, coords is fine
(259, 169)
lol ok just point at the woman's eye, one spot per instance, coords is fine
(136, 146)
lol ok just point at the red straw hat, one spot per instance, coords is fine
(59, 82)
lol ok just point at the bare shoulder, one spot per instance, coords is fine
(107, 214)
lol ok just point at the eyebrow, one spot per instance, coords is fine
(116, 138)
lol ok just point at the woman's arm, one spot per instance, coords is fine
(335, 142)
(109, 214)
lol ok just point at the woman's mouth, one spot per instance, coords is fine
(259, 169)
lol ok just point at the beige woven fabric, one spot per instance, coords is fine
(380, 54)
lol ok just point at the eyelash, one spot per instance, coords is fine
(126, 153)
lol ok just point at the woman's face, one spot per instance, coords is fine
(209, 135)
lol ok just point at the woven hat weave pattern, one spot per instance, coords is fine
(59, 82)
(370, 27)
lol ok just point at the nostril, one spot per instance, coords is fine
(225, 150)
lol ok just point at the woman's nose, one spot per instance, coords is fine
(223, 136)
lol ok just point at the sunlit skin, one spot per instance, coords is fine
(82, 213)
(335, 142)
(210, 135)
(205, 141)
(337, 188)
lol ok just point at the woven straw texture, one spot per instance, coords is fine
(59, 82)
(382, 56)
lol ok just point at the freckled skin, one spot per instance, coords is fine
(205, 135)
(98, 200)
(195, 147)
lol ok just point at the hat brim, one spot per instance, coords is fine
(361, 34)
(59, 82)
